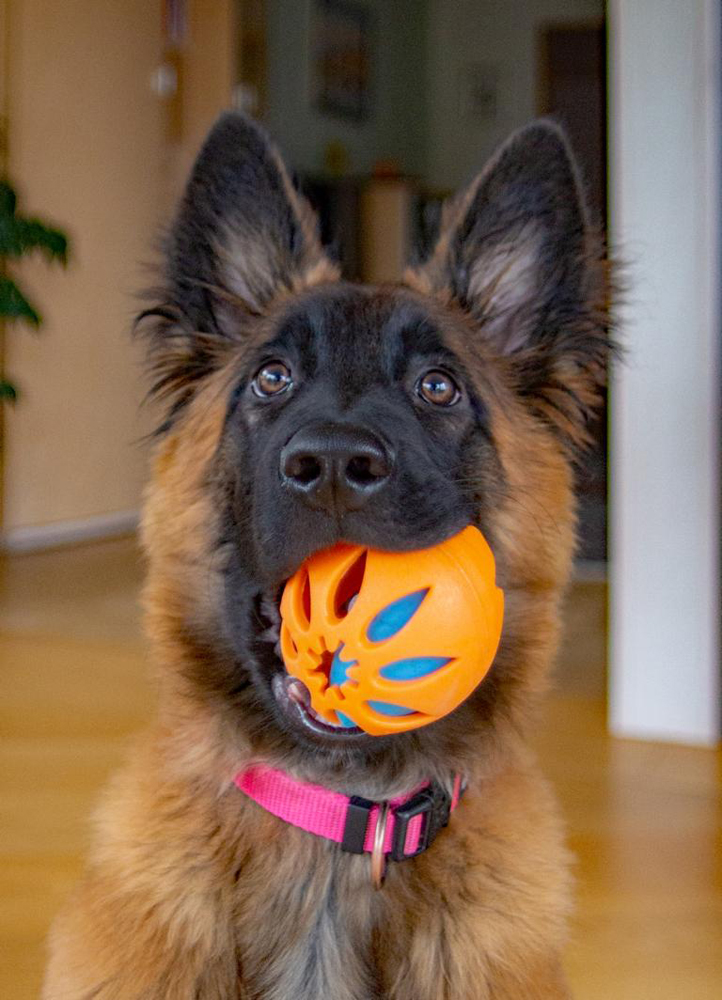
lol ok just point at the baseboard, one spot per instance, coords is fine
(88, 529)
(590, 570)
(60, 533)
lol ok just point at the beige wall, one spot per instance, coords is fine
(83, 151)
(209, 66)
(88, 151)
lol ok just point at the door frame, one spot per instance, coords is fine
(665, 142)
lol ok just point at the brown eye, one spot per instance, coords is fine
(438, 388)
(272, 379)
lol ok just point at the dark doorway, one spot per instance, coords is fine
(572, 90)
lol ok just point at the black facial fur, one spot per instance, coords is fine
(355, 360)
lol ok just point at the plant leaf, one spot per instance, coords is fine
(32, 234)
(14, 305)
(8, 391)
(8, 199)
(18, 234)
(9, 240)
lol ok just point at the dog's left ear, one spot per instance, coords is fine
(515, 252)
(243, 233)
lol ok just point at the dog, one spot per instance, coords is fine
(301, 410)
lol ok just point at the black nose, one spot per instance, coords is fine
(335, 467)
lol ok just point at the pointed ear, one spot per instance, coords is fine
(515, 252)
(242, 236)
(242, 233)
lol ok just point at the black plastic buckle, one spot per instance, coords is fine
(434, 804)
(357, 819)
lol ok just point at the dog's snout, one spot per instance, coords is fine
(335, 467)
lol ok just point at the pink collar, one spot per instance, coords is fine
(400, 828)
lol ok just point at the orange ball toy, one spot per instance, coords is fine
(390, 641)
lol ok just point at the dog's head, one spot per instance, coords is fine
(304, 410)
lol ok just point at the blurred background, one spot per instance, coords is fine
(382, 109)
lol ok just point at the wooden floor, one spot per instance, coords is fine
(644, 819)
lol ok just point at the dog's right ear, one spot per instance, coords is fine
(242, 237)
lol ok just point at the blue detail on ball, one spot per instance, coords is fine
(414, 667)
(394, 616)
(386, 708)
(345, 721)
(339, 668)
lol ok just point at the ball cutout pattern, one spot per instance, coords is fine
(390, 641)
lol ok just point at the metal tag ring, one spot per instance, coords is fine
(378, 856)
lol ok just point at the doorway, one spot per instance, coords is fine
(572, 89)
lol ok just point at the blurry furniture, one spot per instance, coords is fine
(337, 201)
(386, 212)
(368, 223)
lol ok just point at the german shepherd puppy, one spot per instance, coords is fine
(458, 396)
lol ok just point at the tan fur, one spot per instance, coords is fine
(193, 891)
(178, 889)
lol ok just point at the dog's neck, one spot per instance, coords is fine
(395, 829)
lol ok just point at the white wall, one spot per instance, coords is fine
(396, 126)
(665, 138)
(422, 47)
(504, 35)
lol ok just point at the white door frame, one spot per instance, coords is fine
(665, 82)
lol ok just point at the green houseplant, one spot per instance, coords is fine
(20, 236)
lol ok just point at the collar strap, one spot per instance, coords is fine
(411, 822)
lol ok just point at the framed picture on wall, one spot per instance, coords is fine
(342, 59)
